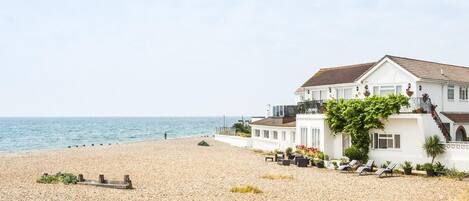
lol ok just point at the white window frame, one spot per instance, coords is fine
(397, 88)
(293, 136)
(340, 93)
(323, 95)
(394, 138)
(275, 135)
(303, 136)
(266, 133)
(450, 88)
(257, 132)
(315, 138)
(463, 93)
(284, 135)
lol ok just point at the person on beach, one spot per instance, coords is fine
(165, 135)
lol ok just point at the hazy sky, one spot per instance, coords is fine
(193, 58)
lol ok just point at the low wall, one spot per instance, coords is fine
(264, 144)
(234, 140)
(456, 155)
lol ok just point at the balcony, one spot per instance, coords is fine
(416, 105)
(311, 107)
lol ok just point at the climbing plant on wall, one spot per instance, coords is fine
(357, 117)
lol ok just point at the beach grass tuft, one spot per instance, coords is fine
(245, 189)
(277, 177)
(65, 178)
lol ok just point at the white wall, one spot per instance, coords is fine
(270, 143)
(388, 73)
(234, 140)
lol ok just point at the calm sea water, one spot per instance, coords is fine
(23, 134)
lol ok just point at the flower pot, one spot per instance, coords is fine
(430, 172)
(320, 164)
(407, 171)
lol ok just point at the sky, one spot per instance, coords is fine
(203, 58)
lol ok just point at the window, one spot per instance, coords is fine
(316, 95)
(284, 135)
(399, 89)
(275, 135)
(387, 90)
(450, 92)
(385, 141)
(266, 134)
(292, 136)
(304, 135)
(323, 94)
(463, 93)
(257, 132)
(315, 139)
(344, 93)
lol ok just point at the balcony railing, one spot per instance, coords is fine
(311, 107)
(416, 105)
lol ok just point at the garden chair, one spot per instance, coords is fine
(368, 167)
(387, 170)
(348, 166)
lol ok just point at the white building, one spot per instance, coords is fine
(404, 133)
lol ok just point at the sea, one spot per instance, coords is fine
(27, 134)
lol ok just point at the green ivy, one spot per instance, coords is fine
(357, 117)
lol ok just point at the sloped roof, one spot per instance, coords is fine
(457, 117)
(276, 122)
(338, 75)
(433, 70)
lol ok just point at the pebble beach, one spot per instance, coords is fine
(178, 169)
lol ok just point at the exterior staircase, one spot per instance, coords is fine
(440, 123)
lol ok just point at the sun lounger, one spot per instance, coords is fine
(368, 167)
(387, 170)
(348, 166)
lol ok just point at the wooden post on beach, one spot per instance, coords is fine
(128, 181)
(80, 178)
(101, 179)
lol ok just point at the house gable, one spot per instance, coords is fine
(387, 71)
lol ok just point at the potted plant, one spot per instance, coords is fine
(439, 169)
(407, 166)
(428, 167)
(289, 152)
(319, 163)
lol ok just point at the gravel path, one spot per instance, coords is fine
(181, 170)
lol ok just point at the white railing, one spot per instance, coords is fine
(457, 145)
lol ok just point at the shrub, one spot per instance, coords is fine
(245, 189)
(242, 128)
(354, 153)
(427, 167)
(65, 178)
(277, 177)
(438, 167)
(288, 151)
(433, 147)
(453, 173)
(203, 143)
(419, 167)
(407, 165)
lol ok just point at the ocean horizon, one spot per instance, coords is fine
(19, 134)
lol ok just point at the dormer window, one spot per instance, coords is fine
(451, 92)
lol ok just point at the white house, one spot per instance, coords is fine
(404, 133)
